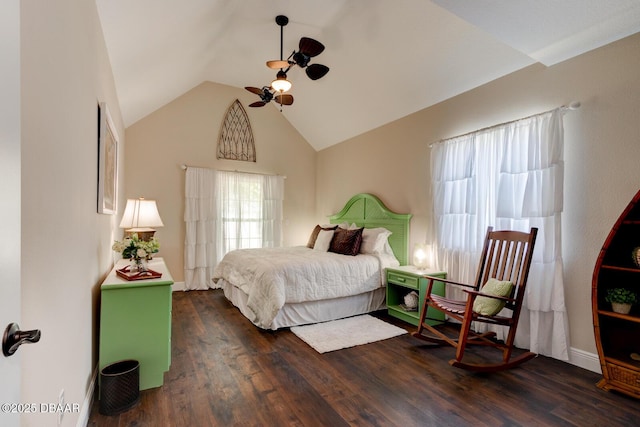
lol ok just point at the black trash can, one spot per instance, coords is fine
(119, 387)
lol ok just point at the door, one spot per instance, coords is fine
(9, 201)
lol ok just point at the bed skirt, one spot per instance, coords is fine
(304, 313)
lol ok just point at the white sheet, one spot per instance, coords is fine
(272, 277)
(304, 313)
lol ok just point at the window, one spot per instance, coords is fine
(511, 177)
(241, 212)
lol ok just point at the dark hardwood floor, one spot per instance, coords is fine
(227, 372)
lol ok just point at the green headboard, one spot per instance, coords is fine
(366, 210)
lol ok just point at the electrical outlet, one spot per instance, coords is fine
(60, 405)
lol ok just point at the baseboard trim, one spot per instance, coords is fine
(585, 360)
(177, 286)
(85, 411)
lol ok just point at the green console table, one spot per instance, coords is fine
(135, 322)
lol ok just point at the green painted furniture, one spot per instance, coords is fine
(135, 322)
(366, 210)
(402, 281)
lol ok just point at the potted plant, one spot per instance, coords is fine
(621, 299)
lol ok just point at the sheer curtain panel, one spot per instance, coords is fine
(225, 211)
(200, 217)
(511, 177)
(273, 196)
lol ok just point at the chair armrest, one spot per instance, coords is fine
(480, 294)
(447, 281)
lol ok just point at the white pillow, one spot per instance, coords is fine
(324, 240)
(387, 249)
(373, 240)
(348, 226)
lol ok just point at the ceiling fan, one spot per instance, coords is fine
(308, 48)
(266, 95)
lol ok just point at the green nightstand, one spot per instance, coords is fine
(135, 322)
(403, 280)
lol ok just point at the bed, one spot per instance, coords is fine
(283, 287)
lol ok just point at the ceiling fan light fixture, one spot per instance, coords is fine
(308, 48)
(281, 84)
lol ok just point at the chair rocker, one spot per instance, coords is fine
(505, 261)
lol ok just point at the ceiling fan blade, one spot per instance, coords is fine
(285, 99)
(275, 64)
(255, 90)
(257, 104)
(316, 71)
(310, 47)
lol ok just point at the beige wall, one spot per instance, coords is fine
(185, 131)
(602, 149)
(66, 244)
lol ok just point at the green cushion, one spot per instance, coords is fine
(491, 306)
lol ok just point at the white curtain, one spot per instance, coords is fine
(511, 177)
(200, 217)
(273, 195)
(226, 211)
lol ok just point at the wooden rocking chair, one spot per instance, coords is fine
(506, 257)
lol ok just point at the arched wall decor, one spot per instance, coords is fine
(236, 137)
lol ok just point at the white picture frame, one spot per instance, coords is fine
(107, 162)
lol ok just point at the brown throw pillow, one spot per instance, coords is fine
(314, 235)
(346, 242)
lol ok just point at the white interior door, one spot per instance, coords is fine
(9, 202)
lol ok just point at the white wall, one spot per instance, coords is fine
(66, 244)
(10, 197)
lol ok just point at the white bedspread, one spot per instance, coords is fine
(272, 277)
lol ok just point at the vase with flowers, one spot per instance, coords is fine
(138, 251)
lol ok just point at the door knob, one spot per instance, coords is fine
(13, 338)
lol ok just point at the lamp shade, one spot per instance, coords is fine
(141, 213)
(420, 256)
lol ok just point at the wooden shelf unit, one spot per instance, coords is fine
(617, 334)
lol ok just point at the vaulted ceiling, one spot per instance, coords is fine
(388, 59)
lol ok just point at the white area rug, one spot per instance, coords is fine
(344, 333)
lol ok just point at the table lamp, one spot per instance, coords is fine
(140, 216)
(420, 252)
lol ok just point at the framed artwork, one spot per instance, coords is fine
(107, 162)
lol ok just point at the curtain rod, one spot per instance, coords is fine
(184, 167)
(572, 106)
